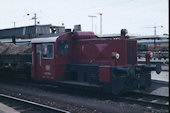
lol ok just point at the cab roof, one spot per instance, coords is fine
(44, 40)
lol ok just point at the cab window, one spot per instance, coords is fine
(62, 47)
(38, 51)
(48, 51)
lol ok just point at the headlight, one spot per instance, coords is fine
(117, 55)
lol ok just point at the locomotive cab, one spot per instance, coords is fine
(49, 58)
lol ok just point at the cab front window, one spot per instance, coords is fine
(48, 51)
(62, 47)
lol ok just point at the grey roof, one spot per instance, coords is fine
(29, 30)
(131, 36)
(150, 37)
(108, 35)
(152, 41)
(17, 40)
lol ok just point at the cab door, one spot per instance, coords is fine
(48, 62)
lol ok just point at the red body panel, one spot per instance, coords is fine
(48, 69)
(84, 35)
(105, 74)
(99, 51)
(61, 61)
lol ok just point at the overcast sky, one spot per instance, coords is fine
(137, 16)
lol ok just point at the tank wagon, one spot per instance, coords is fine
(81, 59)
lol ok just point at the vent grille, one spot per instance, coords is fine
(131, 52)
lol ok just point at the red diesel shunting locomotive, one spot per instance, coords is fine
(83, 59)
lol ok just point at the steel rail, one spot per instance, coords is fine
(148, 99)
(151, 95)
(35, 104)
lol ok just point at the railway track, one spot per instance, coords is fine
(25, 106)
(154, 101)
(147, 99)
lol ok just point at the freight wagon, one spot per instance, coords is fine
(160, 48)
